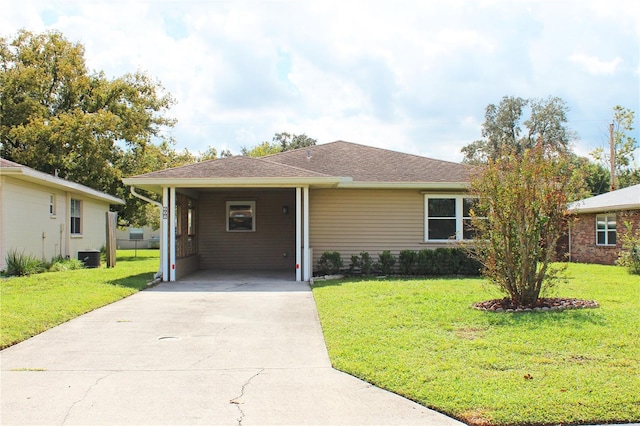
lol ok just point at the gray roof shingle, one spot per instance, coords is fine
(232, 167)
(369, 164)
(621, 199)
(20, 171)
(336, 159)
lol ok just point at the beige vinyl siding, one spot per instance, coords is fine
(26, 225)
(93, 225)
(354, 220)
(263, 249)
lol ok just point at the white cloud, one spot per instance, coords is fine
(413, 76)
(595, 65)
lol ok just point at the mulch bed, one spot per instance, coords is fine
(543, 304)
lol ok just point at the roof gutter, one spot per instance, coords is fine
(426, 186)
(149, 200)
(156, 184)
(601, 209)
(30, 175)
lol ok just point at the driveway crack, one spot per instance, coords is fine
(98, 380)
(236, 401)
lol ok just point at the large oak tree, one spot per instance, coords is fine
(56, 116)
(517, 124)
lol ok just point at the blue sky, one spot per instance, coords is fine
(413, 76)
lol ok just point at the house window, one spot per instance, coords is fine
(241, 216)
(76, 216)
(52, 204)
(468, 233)
(448, 217)
(191, 229)
(606, 229)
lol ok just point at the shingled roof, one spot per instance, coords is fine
(333, 164)
(22, 172)
(621, 199)
(368, 164)
(232, 167)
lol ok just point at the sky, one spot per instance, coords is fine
(412, 76)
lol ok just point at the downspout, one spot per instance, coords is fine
(569, 243)
(149, 200)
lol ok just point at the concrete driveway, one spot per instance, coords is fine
(233, 350)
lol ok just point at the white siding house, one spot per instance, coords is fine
(47, 216)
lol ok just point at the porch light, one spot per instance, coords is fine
(285, 209)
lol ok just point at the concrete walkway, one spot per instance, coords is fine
(232, 351)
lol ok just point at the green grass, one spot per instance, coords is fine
(421, 339)
(32, 304)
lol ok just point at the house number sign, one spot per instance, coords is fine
(165, 212)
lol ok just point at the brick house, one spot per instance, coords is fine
(594, 237)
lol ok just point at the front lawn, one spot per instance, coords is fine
(420, 338)
(32, 304)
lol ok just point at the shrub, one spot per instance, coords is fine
(19, 264)
(355, 263)
(330, 263)
(408, 260)
(629, 256)
(62, 264)
(364, 263)
(425, 262)
(520, 213)
(446, 261)
(386, 261)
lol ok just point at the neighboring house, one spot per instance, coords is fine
(142, 238)
(594, 237)
(282, 211)
(47, 216)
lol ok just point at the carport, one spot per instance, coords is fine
(237, 213)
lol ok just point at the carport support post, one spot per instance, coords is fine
(298, 234)
(172, 234)
(164, 253)
(305, 227)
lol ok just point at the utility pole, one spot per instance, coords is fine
(612, 155)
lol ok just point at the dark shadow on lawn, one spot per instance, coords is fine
(138, 258)
(576, 318)
(360, 278)
(139, 282)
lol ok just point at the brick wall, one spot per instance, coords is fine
(583, 238)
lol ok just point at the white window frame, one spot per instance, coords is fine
(459, 218)
(606, 229)
(75, 213)
(252, 205)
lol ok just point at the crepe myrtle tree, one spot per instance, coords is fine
(520, 215)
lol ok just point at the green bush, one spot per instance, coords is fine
(363, 263)
(20, 264)
(446, 261)
(629, 256)
(386, 261)
(62, 264)
(330, 263)
(426, 262)
(408, 261)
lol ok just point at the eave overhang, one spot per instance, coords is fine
(156, 185)
(575, 208)
(34, 176)
(425, 186)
